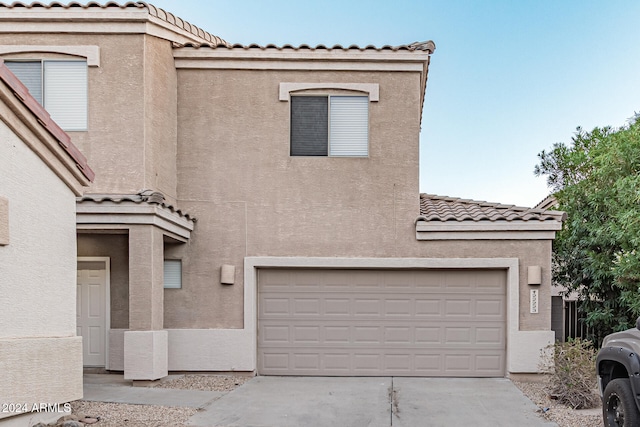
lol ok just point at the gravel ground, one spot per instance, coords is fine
(204, 382)
(560, 414)
(118, 415)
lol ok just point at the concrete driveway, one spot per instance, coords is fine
(371, 402)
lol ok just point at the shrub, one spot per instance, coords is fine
(572, 373)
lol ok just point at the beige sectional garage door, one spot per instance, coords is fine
(381, 322)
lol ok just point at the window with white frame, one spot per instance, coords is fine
(172, 274)
(331, 125)
(59, 86)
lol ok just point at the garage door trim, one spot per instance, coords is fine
(516, 339)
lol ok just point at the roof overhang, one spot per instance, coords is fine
(130, 18)
(307, 59)
(93, 216)
(250, 58)
(487, 230)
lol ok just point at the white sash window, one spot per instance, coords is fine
(59, 86)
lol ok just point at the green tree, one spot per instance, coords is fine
(596, 181)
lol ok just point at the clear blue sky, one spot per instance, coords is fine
(508, 78)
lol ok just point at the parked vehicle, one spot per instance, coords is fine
(618, 369)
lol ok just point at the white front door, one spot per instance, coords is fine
(91, 315)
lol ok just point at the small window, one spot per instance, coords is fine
(172, 274)
(336, 126)
(59, 86)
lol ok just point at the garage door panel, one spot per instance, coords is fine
(354, 322)
(393, 333)
(367, 307)
(275, 306)
(490, 308)
(306, 334)
(337, 334)
(490, 336)
(306, 307)
(428, 307)
(337, 307)
(457, 307)
(275, 334)
(353, 362)
(399, 307)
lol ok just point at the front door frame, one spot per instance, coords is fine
(107, 300)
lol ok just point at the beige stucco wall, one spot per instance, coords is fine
(251, 198)
(40, 356)
(130, 141)
(160, 110)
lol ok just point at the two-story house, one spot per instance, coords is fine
(256, 208)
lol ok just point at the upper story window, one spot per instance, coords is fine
(330, 125)
(59, 86)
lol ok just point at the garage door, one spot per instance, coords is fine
(381, 322)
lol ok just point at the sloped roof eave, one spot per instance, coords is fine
(448, 218)
(132, 11)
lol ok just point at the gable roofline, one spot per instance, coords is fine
(16, 97)
(28, 17)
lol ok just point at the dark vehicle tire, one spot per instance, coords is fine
(618, 405)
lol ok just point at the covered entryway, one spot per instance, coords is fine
(92, 310)
(349, 322)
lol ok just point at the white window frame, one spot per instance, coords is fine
(343, 139)
(176, 279)
(56, 101)
(370, 90)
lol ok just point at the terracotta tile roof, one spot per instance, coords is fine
(442, 209)
(145, 196)
(153, 11)
(427, 46)
(64, 140)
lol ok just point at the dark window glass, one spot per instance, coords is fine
(309, 125)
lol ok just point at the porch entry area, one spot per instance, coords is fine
(132, 230)
(93, 309)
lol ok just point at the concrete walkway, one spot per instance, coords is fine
(325, 401)
(114, 388)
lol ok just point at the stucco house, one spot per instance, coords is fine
(41, 173)
(256, 208)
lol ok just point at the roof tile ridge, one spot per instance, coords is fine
(303, 46)
(178, 22)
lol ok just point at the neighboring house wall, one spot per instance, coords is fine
(40, 354)
(35, 270)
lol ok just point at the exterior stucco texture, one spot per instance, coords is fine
(209, 128)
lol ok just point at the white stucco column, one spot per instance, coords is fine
(146, 343)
